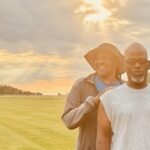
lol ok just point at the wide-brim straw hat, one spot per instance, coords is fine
(106, 48)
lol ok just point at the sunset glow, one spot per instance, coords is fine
(43, 43)
(94, 11)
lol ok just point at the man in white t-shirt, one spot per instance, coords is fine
(124, 112)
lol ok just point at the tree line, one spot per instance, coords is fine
(9, 90)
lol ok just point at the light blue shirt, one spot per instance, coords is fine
(100, 85)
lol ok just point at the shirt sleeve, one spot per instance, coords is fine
(76, 112)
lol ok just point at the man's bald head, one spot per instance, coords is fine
(135, 50)
(136, 65)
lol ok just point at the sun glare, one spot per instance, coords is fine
(94, 11)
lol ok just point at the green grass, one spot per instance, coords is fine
(34, 123)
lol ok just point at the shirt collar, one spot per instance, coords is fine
(91, 78)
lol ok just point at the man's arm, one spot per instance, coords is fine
(75, 111)
(104, 132)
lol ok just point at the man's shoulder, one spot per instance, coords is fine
(115, 90)
(119, 88)
(78, 82)
(82, 80)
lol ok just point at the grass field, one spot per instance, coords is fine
(33, 123)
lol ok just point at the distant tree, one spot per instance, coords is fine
(59, 94)
(8, 90)
(38, 93)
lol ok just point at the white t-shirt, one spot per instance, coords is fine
(128, 110)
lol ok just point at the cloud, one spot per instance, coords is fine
(44, 26)
(29, 67)
(43, 42)
(53, 27)
(53, 87)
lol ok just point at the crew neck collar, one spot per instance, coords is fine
(134, 89)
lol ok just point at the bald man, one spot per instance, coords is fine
(124, 112)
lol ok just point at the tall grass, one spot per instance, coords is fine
(33, 123)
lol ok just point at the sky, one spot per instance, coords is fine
(43, 42)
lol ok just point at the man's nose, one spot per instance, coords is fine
(137, 65)
(100, 63)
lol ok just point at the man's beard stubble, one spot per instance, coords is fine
(137, 79)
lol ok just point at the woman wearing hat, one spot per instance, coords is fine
(82, 101)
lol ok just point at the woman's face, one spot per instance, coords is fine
(106, 65)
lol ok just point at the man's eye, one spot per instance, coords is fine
(143, 61)
(136, 61)
(130, 62)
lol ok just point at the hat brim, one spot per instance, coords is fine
(91, 56)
